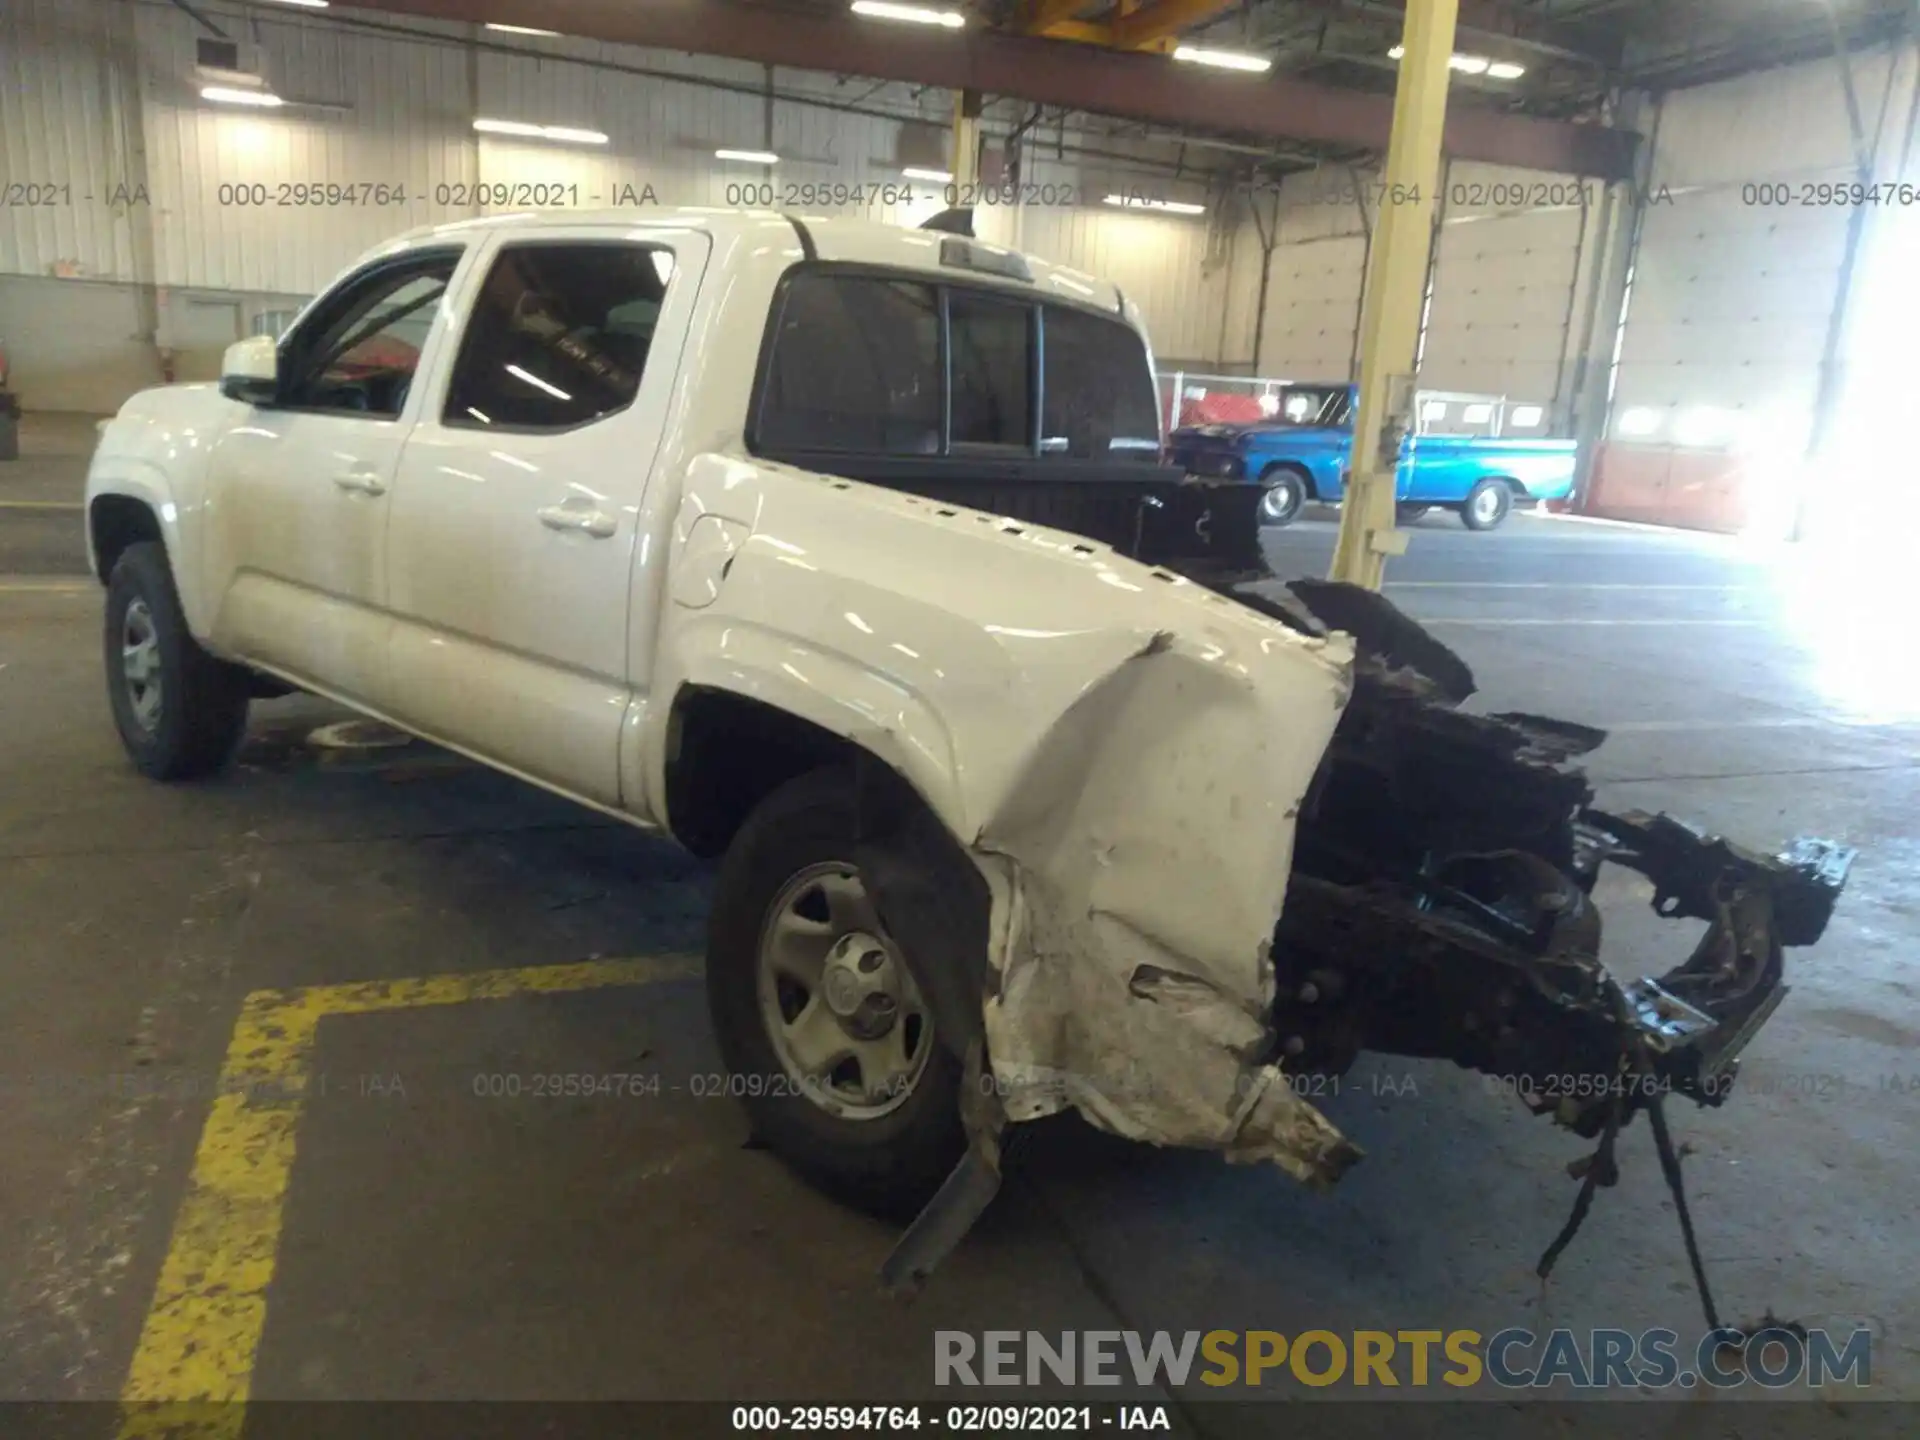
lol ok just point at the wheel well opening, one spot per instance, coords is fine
(1299, 472)
(115, 522)
(727, 753)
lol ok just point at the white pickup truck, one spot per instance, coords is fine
(844, 553)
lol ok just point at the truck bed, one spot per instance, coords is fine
(1145, 512)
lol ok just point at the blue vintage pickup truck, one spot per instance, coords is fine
(1303, 451)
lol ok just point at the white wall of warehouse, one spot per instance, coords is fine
(1733, 296)
(1730, 307)
(1511, 279)
(99, 96)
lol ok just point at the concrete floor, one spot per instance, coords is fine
(437, 1244)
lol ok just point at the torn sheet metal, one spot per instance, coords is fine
(1137, 872)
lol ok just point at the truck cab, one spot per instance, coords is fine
(1478, 456)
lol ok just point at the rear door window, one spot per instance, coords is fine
(559, 335)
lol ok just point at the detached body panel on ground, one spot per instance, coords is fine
(845, 553)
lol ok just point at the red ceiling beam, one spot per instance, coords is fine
(1050, 72)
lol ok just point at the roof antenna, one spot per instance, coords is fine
(957, 221)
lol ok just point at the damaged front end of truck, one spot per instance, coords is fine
(1438, 902)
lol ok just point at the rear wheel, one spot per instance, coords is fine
(819, 1014)
(180, 711)
(1488, 505)
(1286, 492)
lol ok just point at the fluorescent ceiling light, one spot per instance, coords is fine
(1171, 207)
(938, 177)
(307, 4)
(1472, 65)
(748, 157)
(566, 134)
(519, 29)
(1222, 59)
(226, 95)
(536, 382)
(912, 14)
(1641, 421)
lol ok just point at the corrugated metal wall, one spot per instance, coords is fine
(221, 217)
(99, 94)
(66, 102)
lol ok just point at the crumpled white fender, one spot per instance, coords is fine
(1137, 872)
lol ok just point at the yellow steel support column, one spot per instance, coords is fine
(1396, 286)
(965, 161)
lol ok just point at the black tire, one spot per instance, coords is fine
(1286, 492)
(190, 725)
(1487, 505)
(1408, 514)
(888, 1165)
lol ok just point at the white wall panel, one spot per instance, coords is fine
(1510, 259)
(65, 99)
(1730, 309)
(211, 167)
(75, 344)
(1313, 309)
(97, 92)
(1507, 283)
(1159, 261)
(1314, 279)
(1734, 296)
(1779, 122)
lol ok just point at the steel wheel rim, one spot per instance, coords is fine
(140, 668)
(1279, 502)
(1486, 504)
(851, 1031)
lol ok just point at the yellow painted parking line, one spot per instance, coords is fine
(193, 1368)
(45, 587)
(41, 505)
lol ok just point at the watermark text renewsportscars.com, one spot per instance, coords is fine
(1776, 1358)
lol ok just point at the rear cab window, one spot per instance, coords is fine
(883, 365)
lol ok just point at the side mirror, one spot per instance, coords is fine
(250, 370)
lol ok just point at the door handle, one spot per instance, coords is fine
(596, 523)
(361, 482)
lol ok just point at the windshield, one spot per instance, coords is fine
(1307, 405)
